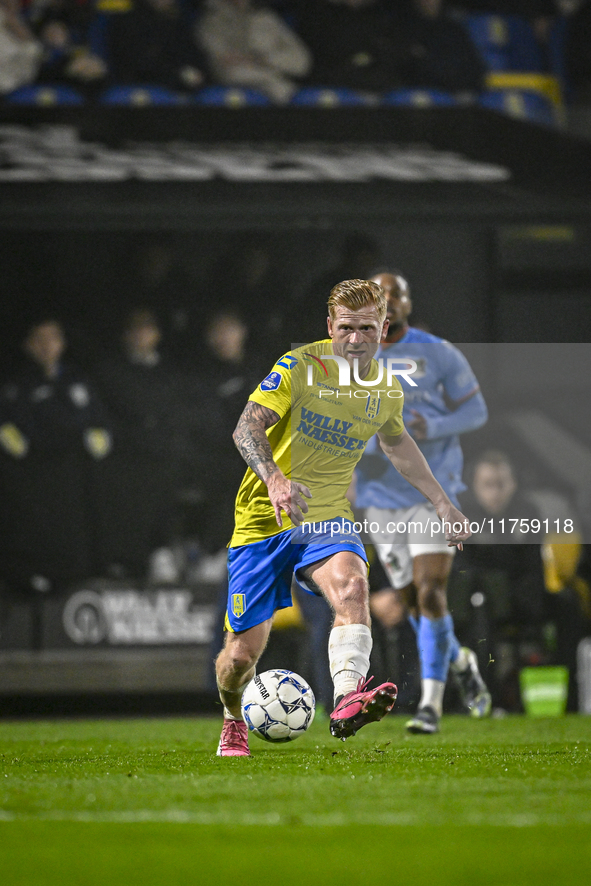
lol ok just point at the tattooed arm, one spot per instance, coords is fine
(251, 440)
(254, 447)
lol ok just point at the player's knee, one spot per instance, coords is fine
(235, 660)
(352, 594)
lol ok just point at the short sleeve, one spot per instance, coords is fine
(276, 390)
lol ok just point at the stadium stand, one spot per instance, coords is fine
(526, 72)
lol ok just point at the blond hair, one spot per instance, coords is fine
(357, 294)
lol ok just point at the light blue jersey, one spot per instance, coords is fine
(443, 375)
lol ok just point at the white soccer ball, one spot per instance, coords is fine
(278, 705)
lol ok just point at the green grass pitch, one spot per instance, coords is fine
(502, 802)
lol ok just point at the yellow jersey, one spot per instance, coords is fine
(326, 419)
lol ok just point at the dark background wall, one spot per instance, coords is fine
(88, 275)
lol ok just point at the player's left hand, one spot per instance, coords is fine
(417, 426)
(288, 496)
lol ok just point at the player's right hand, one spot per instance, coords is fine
(417, 426)
(457, 526)
(287, 495)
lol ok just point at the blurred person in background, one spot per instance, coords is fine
(228, 374)
(20, 51)
(350, 41)
(433, 50)
(445, 402)
(152, 44)
(54, 430)
(513, 580)
(62, 27)
(158, 428)
(249, 44)
(254, 277)
(503, 571)
(160, 274)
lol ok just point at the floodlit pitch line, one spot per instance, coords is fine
(180, 816)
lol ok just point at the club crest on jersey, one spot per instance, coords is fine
(271, 382)
(238, 605)
(372, 406)
(288, 362)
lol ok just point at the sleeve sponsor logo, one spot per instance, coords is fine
(288, 362)
(271, 382)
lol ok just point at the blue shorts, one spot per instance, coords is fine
(260, 574)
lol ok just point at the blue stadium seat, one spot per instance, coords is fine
(521, 103)
(505, 42)
(45, 95)
(490, 35)
(230, 97)
(140, 95)
(524, 50)
(329, 97)
(419, 98)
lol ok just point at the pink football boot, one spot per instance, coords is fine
(362, 706)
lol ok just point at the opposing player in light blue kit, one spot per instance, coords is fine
(445, 402)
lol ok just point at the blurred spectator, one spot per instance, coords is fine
(62, 28)
(20, 52)
(497, 589)
(257, 285)
(433, 50)
(157, 429)
(158, 274)
(152, 44)
(248, 44)
(494, 501)
(54, 429)
(228, 377)
(350, 41)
